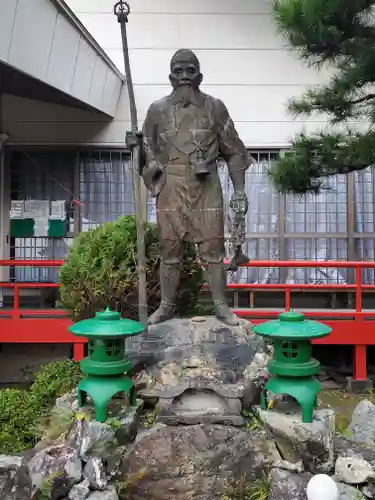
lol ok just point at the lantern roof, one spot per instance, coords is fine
(292, 325)
(107, 324)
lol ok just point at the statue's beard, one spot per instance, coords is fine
(185, 95)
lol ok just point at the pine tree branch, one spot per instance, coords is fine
(360, 100)
(329, 101)
(322, 155)
(340, 33)
(324, 31)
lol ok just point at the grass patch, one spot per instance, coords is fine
(126, 486)
(342, 423)
(147, 419)
(247, 489)
(22, 412)
(252, 421)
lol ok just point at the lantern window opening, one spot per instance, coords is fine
(289, 349)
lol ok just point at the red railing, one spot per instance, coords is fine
(352, 327)
(18, 325)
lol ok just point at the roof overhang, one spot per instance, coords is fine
(47, 53)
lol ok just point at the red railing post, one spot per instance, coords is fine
(358, 288)
(287, 299)
(360, 351)
(16, 302)
(78, 351)
(360, 362)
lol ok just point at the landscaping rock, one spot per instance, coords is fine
(113, 462)
(362, 427)
(15, 480)
(348, 492)
(56, 469)
(93, 439)
(345, 447)
(353, 471)
(257, 369)
(68, 401)
(96, 474)
(369, 490)
(255, 376)
(80, 491)
(284, 464)
(310, 442)
(286, 485)
(96, 439)
(109, 494)
(188, 461)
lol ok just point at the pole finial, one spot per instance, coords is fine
(122, 11)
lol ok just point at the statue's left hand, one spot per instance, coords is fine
(239, 202)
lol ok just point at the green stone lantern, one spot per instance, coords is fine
(106, 366)
(292, 368)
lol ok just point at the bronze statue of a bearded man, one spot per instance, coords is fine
(184, 135)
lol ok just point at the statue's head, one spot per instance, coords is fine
(185, 70)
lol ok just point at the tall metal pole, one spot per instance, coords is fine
(133, 141)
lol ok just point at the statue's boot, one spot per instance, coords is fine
(169, 283)
(217, 280)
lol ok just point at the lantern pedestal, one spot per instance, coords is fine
(106, 365)
(303, 390)
(102, 390)
(292, 367)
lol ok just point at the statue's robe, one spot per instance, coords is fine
(188, 208)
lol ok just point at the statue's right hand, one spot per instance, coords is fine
(152, 172)
(155, 170)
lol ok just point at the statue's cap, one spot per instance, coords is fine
(185, 56)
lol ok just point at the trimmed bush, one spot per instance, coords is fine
(22, 412)
(101, 270)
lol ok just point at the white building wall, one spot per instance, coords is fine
(243, 60)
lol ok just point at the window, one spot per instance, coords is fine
(105, 187)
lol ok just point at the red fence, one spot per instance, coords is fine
(351, 327)
(36, 325)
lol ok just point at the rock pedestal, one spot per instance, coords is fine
(201, 370)
(201, 401)
(228, 348)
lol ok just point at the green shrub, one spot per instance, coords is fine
(21, 411)
(101, 271)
